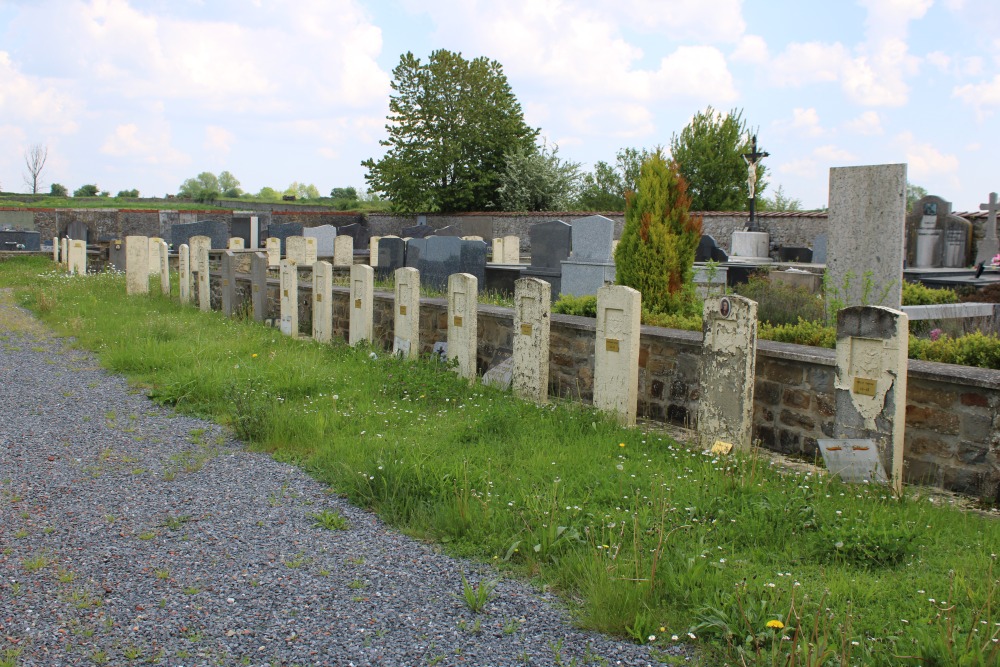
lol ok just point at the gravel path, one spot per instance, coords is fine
(132, 535)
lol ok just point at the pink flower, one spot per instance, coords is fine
(935, 334)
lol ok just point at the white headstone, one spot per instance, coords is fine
(989, 246)
(200, 245)
(78, 257)
(312, 250)
(463, 325)
(362, 306)
(289, 298)
(406, 319)
(64, 252)
(531, 339)
(511, 250)
(273, 247)
(55, 248)
(616, 352)
(343, 250)
(184, 264)
(236, 243)
(154, 255)
(373, 250)
(728, 360)
(136, 265)
(322, 317)
(295, 250)
(164, 268)
(254, 232)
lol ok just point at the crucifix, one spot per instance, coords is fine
(989, 247)
(752, 159)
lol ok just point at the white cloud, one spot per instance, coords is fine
(716, 21)
(868, 124)
(751, 49)
(218, 140)
(980, 96)
(35, 101)
(805, 168)
(831, 153)
(806, 121)
(939, 59)
(925, 160)
(149, 145)
(808, 62)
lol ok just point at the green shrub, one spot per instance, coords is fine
(584, 306)
(975, 349)
(803, 332)
(672, 320)
(781, 303)
(918, 294)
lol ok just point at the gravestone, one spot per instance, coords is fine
(15, 239)
(78, 231)
(935, 237)
(472, 259)
(311, 251)
(870, 382)
(989, 246)
(373, 252)
(417, 232)
(295, 249)
(406, 318)
(259, 264)
(438, 257)
(64, 251)
(590, 266)
(164, 268)
(216, 231)
(322, 316)
(391, 256)
(184, 274)
(116, 255)
(55, 251)
(866, 222)
(343, 250)
(289, 322)
(450, 230)
(78, 257)
(136, 265)
(237, 243)
(200, 246)
(324, 235)
(616, 352)
(795, 254)
(282, 230)
(273, 249)
(154, 255)
(551, 243)
(228, 275)
(728, 360)
(507, 250)
(246, 227)
(359, 233)
(532, 299)
(463, 324)
(362, 304)
(819, 249)
(709, 251)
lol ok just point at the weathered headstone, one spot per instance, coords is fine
(295, 249)
(77, 230)
(373, 251)
(616, 352)
(164, 268)
(64, 252)
(590, 265)
(551, 243)
(55, 248)
(406, 318)
(989, 246)
(728, 360)
(184, 274)
(154, 255)
(78, 257)
(258, 285)
(228, 271)
(866, 222)
(532, 299)
(237, 243)
(19, 239)
(935, 237)
(282, 230)
(463, 325)
(343, 250)
(273, 248)
(289, 298)
(507, 250)
(322, 315)
(200, 246)
(136, 265)
(324, 235)
(870, 384)
(362, 306)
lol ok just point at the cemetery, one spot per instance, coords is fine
(877, 418)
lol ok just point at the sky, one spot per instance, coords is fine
(146, 93)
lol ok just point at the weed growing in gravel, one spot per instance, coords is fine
(65, 575)
(162, 573)
(10, 657)
(330, 519)
(37, 562)
(175, 522)
(147, 535)
(476, 597)
(297, 561)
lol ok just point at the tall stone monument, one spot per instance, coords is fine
(937, 238)
(989, 247)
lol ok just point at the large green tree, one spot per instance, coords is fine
(537, 179)
(709, 153)
(204, 187)
(452, 122)
(657, 247)
(605, 188)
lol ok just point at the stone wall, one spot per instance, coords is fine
(952, 412)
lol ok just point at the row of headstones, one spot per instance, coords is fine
(71, 254)
(871, 357)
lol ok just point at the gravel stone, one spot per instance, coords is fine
(130, 534)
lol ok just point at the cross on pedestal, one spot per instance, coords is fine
(989, 246)
(752, 159)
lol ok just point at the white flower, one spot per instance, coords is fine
(652, 638)
(674, 638)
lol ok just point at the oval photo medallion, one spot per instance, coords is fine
(724, 307)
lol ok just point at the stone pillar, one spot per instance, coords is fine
(312, 250)
(78, 257)
(870, 384)
(463, 324)
(289, 298)
(343, 251)
(164, 268)
(322, 319)
(406, 319)
(616, 352)
(184, 277)
(273, 252)
(136, 265)
(154, 255)
(362, 303)
(236, 243)
(200, 246)
(373, 251)
(258, 285)
(55, 248)
(295, 249)
(531, 339)
(228, 270)
(728, 361)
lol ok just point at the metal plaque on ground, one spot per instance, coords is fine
(856, 461)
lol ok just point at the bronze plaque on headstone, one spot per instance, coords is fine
(319, 298)
(402, 310)
(458, 320)
(286, 294)
(525, 329)
(256, 288)
(864, 386)
(611, 344)
(357, 303)
(225, 283)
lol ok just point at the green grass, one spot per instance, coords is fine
(641, 536)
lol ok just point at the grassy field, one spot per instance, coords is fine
(641, 537)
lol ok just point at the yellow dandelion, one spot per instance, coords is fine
(621, 444)
(253, 356)
(775, 624)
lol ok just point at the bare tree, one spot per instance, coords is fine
(35, 158)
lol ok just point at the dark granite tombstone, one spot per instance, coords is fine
(241, 228)
(551, 243)
(437, 257)
(391, 256)
(360, 234)
(473, 260)
(739, 274)
(709, 251)
(20, 240)
(935, 237)
(282, 230)
(216, 230)
(258, 285)
(417, 232)
(116, 255)
(795, 254)
(77, 231)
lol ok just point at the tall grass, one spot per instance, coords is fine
(644, 537)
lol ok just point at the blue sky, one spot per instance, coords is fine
(144, 94)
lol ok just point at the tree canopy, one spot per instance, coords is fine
(537, 179)
(709, 152)
(452, 122)
(88, 190)
(204, 187)
(605, 188)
